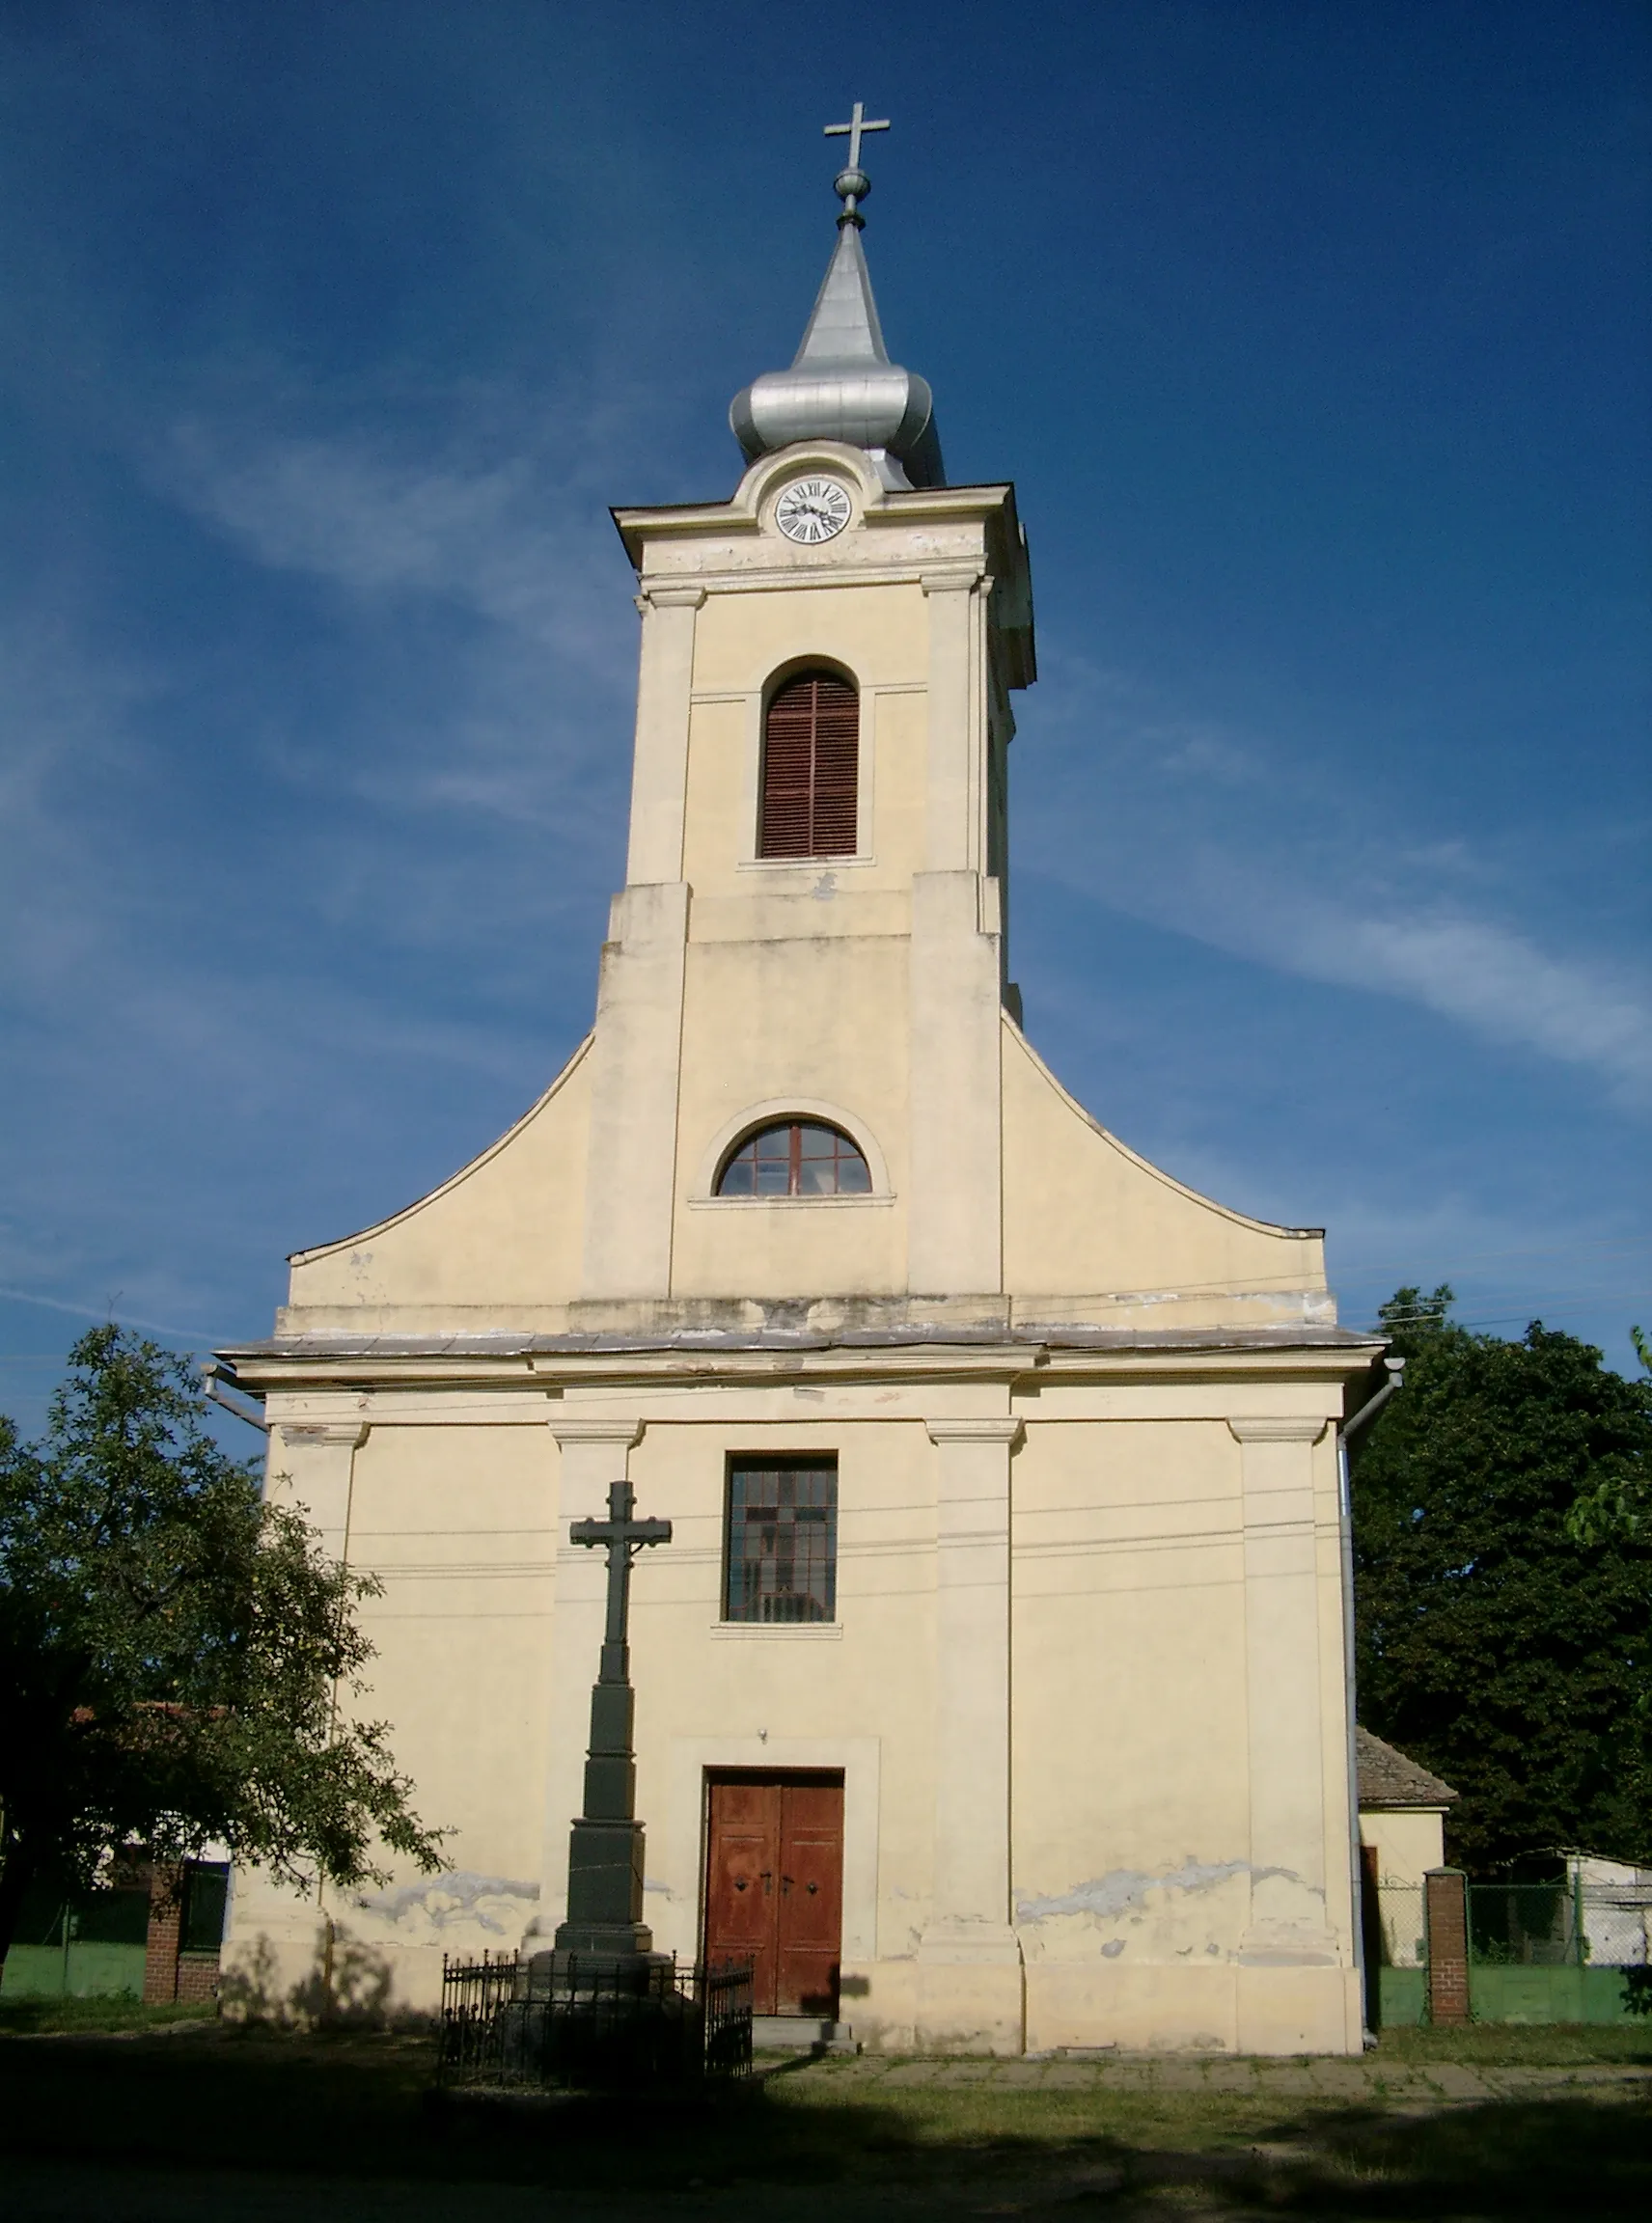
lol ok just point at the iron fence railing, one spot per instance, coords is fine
(511, 2020)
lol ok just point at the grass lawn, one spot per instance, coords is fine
(164, 2102)
(1517, 2045)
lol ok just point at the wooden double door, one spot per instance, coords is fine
(774, 1885)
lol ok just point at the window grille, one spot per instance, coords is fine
(782, 1540)
(795, 1158)
(811, 751)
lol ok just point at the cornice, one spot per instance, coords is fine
(782, 578)
(1007, 1431)
(669, 594)
(592, 1428)
(743, 516)
(547, 1373)
(1288, 1428)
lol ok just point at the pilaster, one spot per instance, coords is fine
(955, 715)
(968, 1958)
(659, 764)
(636, 1073)
(593, 1452)
(313, 1470)
(955, 1183)
(1289, 1926)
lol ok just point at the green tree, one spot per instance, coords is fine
(1501, 1641)
(1617, 1503)
(178, 1657)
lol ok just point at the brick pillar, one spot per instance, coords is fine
(1445, 1915)
(160, 1945)
(198, 1979)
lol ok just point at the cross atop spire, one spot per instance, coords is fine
(854, 127)
(852, 184)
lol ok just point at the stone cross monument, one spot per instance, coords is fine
(605, 1850)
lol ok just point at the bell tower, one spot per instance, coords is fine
(857, 980)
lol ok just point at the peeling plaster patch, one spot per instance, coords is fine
(462, 1897)
(1113, 1895)
(1113, 1948)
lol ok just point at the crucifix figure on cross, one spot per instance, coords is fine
(605, 1846)
(852, 182)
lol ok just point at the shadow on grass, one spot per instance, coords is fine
(349, 2108)
(30, 2018)
(1570, 2158)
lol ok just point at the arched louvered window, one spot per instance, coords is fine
(795, 1158)
(810, 744)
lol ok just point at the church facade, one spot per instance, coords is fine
(992, 1692)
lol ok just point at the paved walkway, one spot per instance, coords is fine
(1374, 2080)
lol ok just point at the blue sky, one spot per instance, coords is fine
(1315, 336)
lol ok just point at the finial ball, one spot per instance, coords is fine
(851, 184)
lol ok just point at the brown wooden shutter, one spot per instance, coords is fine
(810, 747)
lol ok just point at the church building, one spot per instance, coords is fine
(992, 1692)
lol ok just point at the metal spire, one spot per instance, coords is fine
(841, 384)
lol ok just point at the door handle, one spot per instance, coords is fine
(784, 1884)
(768, 1875)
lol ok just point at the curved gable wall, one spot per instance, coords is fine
(506, 1230)
(1083, 1217)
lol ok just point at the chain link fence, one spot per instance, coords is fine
(1575, 1949)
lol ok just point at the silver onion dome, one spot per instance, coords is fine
(841, 384)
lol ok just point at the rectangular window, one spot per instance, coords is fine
(781, 1541)
(205, 1901)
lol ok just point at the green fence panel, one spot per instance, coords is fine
(1549, 1995)
(1402, 1996)
(89, 1970)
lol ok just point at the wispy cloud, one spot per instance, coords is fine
(1264, 853)
(511, 536)
(1498, 980)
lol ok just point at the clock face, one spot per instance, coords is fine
(813, 509)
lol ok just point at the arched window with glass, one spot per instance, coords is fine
(795, 1158)
(811, 740)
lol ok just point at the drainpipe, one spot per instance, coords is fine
(211, 1375)
(1345, 1509)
